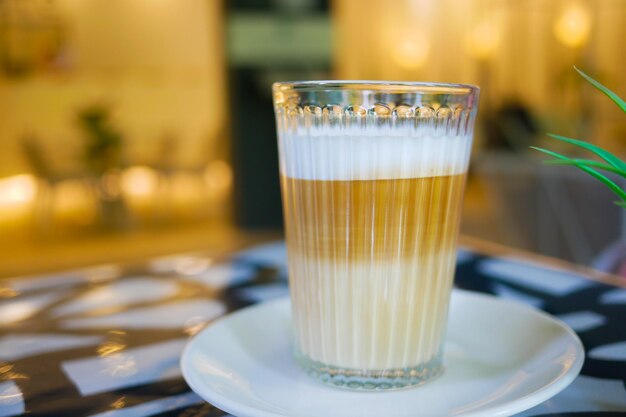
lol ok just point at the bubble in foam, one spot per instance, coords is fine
(356, 154)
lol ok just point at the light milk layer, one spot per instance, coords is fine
(387, 314)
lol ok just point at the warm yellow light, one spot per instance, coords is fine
(411, 53)
(119, 403)
(17, 191)
(139, 181)
(74, 202)
(192, 265)
(110, 183)
(102, 273)
(188, 193)
(573, 26)
(110, 348)
(219, 177)
(483, 40)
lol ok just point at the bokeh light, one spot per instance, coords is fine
(573, 26)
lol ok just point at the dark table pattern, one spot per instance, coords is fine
(105, 341)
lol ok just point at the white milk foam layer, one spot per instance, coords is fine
(358, 154)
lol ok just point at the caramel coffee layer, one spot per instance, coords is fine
(365, 219)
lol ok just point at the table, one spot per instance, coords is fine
(105, 341)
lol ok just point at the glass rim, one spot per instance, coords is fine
(397, 87)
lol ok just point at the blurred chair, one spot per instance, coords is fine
(613, 258)
(511, 126)
(555, 211)
(48, 180)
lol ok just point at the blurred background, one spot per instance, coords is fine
(134, 128)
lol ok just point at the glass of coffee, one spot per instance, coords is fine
(372, 177)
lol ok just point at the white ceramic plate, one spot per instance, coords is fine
(501, 358)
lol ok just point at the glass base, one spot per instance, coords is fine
(371, 380)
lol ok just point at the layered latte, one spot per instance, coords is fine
(372, 220)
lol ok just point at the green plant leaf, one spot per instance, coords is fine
(587, 162)
(607, 156)
(610, 94)
(605, 180)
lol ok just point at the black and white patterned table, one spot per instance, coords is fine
(105, 341)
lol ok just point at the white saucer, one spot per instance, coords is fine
(501, 358)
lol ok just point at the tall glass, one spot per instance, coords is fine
(372, 178)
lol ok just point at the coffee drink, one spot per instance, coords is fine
(372, 176)
(372, 220)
